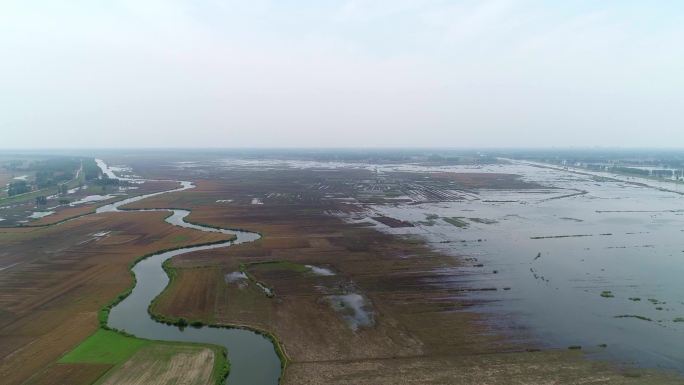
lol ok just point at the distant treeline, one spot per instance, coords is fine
(106, 181)
(377, 156)
(90, 170)
(93, 174)
(54, 171)
(18, 187)
(630, 170)
(51, 172)
(602, 158)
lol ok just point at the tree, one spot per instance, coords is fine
(18, 187)
(41, 200)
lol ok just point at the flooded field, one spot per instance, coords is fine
(434, 270)
(562, 257)
(585, 262)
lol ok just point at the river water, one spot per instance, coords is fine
(252, 357)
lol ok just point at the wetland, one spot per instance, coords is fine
(424, 270)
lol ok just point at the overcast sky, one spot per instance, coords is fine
(174, 73)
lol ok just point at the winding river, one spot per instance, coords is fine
(253, 358)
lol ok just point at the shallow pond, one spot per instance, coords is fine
(588, 263)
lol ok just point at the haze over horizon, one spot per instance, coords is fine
(403, 73)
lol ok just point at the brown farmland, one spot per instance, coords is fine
(161, 365)
(56, 278)
(72, 374)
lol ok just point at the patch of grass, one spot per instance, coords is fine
(180, 238)
(634, 316)
(562, 236)
(635, 299)
(456, 221)
(104, 347)
(221, 365)
(484, 221)
(632, 374)
(426, 223)
(430, 220)
(607, 294)
(678, 319)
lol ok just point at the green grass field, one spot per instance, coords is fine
(123, 353)
(104, 347)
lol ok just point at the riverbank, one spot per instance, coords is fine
(151, 279)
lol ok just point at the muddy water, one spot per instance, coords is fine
(252, 357)
(546, 256)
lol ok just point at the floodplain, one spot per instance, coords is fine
(369, 272)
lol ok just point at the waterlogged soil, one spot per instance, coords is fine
(438, 319)
(546, 259)
(354, 308)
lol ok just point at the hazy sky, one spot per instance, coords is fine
(341, 73)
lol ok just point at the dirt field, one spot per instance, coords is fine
(564, 368)
(72, 374)
(197, 293)
(55, 279)
(162, 365)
